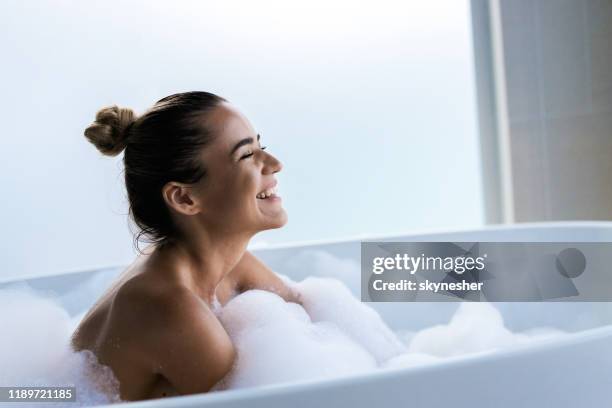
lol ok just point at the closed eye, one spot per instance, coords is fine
(250, 153)
(247, 155)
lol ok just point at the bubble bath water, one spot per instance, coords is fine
(332, 335)
(335, 334)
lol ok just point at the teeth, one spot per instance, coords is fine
(267, 193)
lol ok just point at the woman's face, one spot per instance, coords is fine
(238, 192)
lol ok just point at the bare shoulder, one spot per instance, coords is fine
(180, 336)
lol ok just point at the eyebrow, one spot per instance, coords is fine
(243, 142)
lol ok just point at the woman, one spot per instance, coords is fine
(199, 186)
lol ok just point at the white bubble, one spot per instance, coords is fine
(334, 334)
(327, 299)
(35, 351)
(410, 360)
(277, 342)
(476, 327)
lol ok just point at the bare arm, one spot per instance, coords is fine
(187, 344)
(251, 273)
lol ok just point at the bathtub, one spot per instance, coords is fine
(571, 371)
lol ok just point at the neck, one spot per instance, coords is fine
(204, 261)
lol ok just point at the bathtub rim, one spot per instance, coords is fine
(542, 225)
(423, 233)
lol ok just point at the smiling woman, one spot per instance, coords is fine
(200, 185)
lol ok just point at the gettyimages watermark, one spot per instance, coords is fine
(486, 271)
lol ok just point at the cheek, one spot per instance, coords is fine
(246, 183)
(239, 192)
(234, 193)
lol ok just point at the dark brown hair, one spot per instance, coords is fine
(160, 146)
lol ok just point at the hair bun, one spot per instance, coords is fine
(109, 131)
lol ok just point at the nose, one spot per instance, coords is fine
(271, 164)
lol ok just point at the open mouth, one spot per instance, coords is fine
(266, 194)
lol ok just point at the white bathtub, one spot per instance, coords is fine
(572, 371)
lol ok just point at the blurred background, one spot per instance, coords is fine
(389, 116)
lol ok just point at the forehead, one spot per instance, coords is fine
(228, 125)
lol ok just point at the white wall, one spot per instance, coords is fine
(369, 105)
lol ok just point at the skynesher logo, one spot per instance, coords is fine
(413, 264)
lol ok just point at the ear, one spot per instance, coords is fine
(180, 197)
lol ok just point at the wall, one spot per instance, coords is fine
(370, 108)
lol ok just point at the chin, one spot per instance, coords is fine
(277, 222)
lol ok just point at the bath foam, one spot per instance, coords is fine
(34, 350)
(329, 300)
(277, 342)
(476, 327)
(334, 334)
